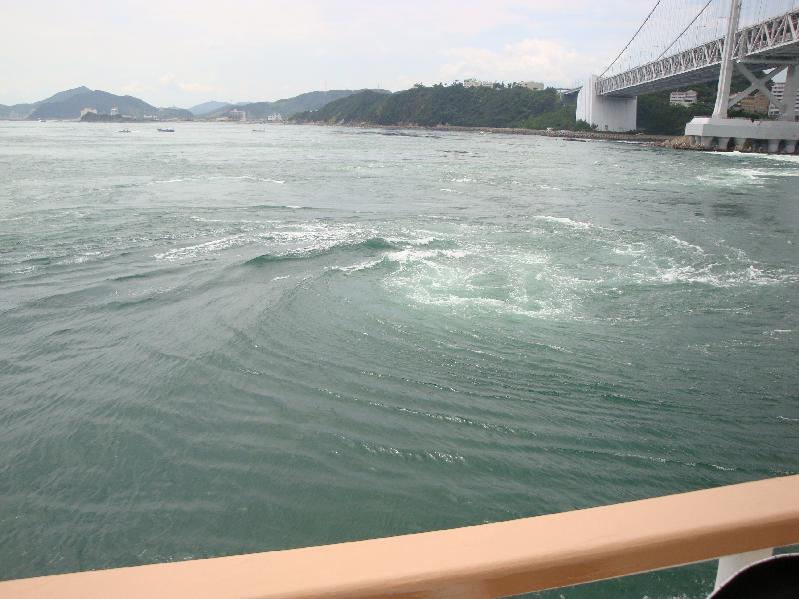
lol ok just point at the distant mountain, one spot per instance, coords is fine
(68, 105)
(207, 107)
(289, 106)
(22, 111)
(65, 95)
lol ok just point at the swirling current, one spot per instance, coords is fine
(221, 340)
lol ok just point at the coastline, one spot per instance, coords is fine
(557, 133)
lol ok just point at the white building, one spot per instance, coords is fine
(238, 115)
(477, 83)
(778, 90)
(686, 98)
(274, 118)
(533, 85)
(114, 111)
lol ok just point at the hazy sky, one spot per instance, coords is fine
(174, 52)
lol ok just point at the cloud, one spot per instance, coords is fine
(197, 88)
(135, 87)
(265, 49)
(544, 60)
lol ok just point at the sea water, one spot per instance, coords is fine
(220, 340)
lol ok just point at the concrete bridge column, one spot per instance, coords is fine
(789, 94)
(608, 113)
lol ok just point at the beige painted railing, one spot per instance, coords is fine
(491, 560)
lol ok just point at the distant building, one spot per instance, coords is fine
(778, 90)
(533, 85)
(114, 111)
(85, 110)
(238, 115)
(757, 104)
(477, 83)
(274, 118)
(686, 98)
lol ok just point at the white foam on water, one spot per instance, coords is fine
(167, 181)
(685, 244)
(726, 469)
(631, 249)
(480, 272)
(413, 255)
(749, 275)
(476, 278)
(563, 220)
(358, 267)
(777, 332)
(201, 249)
(83, 258)
(747, 176)
(788, 158)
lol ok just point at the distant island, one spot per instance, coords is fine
(287, 107)
(74, 103)
(87, 105)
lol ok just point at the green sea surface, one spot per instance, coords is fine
(220, 340)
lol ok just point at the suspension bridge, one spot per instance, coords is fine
(684, 42)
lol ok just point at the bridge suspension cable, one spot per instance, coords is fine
(632, 39)
(674, 26)
(687, 27)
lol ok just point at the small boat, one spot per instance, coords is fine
(124, 131)
(166, 130)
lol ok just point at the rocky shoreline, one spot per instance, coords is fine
(557, 133)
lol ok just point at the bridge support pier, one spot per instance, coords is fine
(607, 113)
(719, 128)
(716, 132)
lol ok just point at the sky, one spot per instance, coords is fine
(181, 53)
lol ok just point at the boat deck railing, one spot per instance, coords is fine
(738, 523)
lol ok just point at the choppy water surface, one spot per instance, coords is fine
(221, 341)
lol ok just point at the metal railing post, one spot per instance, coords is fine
(731, 564)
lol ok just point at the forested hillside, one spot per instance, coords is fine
(500, 106)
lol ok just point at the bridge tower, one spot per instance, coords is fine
(718, 130)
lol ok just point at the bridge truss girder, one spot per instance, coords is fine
(763, 45)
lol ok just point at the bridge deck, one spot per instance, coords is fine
(765, 44)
